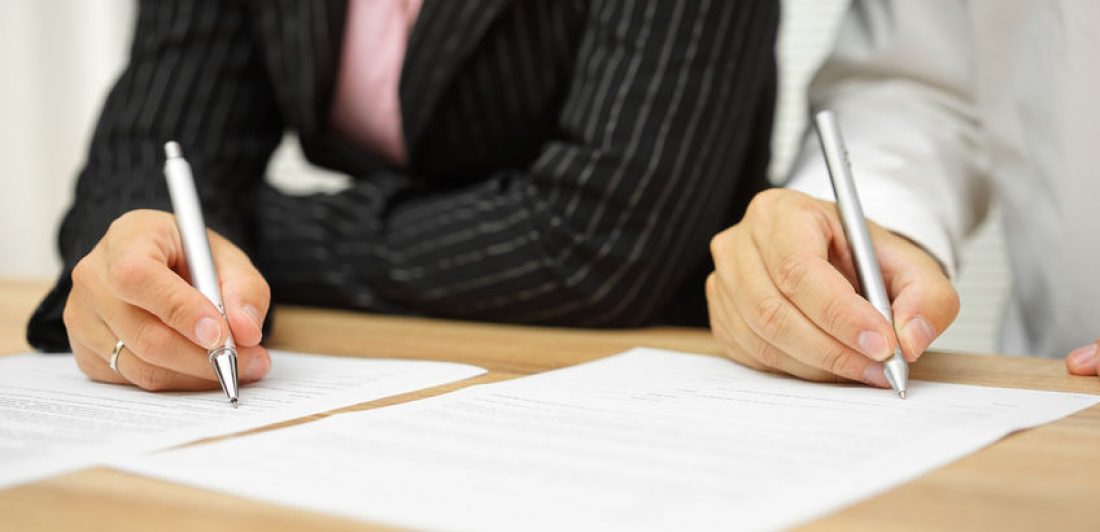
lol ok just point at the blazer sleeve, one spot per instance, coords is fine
(195, 76)
(607, 222)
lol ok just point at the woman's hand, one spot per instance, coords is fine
(133, 286)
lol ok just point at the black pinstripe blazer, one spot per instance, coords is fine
(569, 159)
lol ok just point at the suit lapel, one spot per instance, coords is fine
(322, 33)
(302, 42)
(445, 34)
(310, 40)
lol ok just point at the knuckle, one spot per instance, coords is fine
(953, 302)
(126, 273)
(140, 217)
(263, 288)
(822, 376)
(128, 217)
(734, 353)
(151, 341)
(257, 286)
(771, 316)
(118, 223)
(68, 315)
(718, 329)
(791, 273)
(150, 378)
(768, 355)
(84, 362)
(834, 315)
(80, 274)
(834, 360)
(177, 309)
(764, 201)
(718, 242)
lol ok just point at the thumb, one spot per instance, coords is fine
(244, 291)
(924, 300)
(142, 247)
(1084, 360)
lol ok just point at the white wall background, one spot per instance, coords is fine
(59, 57)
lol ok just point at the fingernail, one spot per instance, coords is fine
(254, 315)
(918, 334)
(873, 375)
(874, 345)
(258, 367)
(1083, 356)
(208, 332)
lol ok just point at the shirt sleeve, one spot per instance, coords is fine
(901, 81)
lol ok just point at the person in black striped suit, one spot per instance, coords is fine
(558, 162)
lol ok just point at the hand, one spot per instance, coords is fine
(133, 286)
(783, 296)
(1084, 360)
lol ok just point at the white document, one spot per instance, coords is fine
(645, 440)
(53, 419)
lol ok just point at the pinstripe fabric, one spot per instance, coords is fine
(568, 159)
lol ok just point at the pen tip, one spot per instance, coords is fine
(172, 150)
(901, 393)
(234, 403)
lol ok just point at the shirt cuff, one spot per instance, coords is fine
(889, 204)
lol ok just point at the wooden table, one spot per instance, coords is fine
(1047, 478)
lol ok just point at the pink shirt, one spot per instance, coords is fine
(366, 107)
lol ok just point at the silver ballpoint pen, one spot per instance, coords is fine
(200, 262)
(872, 287)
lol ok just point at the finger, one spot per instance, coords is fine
(155, 378)
(93, 365)
(139, 271)
(80, 322)
(718, 315)
(139, 371)
(779, 335)
(731, 333)
(133, 369)
(1084, 360)
(154, 342)
(924, 300)
(158, 345)
(751, 346)
(802, 252)
(145, 335)
(245, 292)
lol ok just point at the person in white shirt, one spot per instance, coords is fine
(947, 107)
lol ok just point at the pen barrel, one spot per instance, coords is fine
(192, 228)
(851, 214)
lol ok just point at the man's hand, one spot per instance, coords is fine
(784, 294)
(134, 287)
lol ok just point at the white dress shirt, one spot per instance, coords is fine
(948, 106)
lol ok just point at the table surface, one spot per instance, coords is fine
(1044, 478)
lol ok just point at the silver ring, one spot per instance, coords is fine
(113, 362)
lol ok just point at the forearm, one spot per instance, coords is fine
(599, 229)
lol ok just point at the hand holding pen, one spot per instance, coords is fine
(133, 317)
(785, 294)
